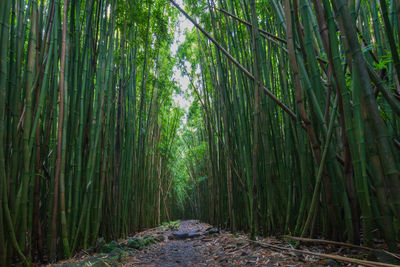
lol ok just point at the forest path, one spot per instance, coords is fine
(193, 243)
(212, 247)
(180, 252)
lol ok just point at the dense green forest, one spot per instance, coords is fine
(293, 126)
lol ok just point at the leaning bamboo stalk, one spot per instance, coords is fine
(321, 167)
(298, 87)
(277, 38)
(328, 256)
(269, 36)
(234, 61)
(335, 243)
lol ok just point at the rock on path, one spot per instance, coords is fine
(183, 250)
(211, 247)
(200, 244)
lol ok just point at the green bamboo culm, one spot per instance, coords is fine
(331, 63)
(294, 122)
(69, 108)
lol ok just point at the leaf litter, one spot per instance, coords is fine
(193, 243)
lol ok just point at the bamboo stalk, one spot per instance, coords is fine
(234, 61)
(328, 256)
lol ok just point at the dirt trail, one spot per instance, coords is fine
(212, 247)
(185, 252)
(199, 244)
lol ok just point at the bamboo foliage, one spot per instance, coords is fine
(70, 170)
(334, 64)
(294, 124)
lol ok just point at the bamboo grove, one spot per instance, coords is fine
(294, 128)
(86, 120)
(300, 105)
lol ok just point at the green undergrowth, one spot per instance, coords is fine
(112, 254)
(172, 225)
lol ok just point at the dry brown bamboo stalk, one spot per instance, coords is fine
(328, 256)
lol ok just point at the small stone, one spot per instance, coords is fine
(212, 230)
(193, 234)
(180, 235)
